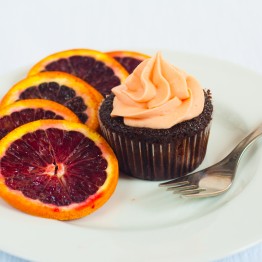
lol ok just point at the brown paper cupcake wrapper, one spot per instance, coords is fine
(158, 161)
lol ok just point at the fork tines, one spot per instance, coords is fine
(183, 188)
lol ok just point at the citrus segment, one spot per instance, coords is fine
(62, 88)
(25, 111)
(96, 68)
(56, 169)
(128, 59)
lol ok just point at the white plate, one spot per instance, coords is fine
(142, 222)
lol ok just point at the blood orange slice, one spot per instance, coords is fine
(25, 111)
(128, 59)
(97, 69)
(62, 88)
(56, 169)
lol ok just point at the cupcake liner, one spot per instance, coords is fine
(157, 161)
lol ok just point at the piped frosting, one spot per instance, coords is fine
(157, 95)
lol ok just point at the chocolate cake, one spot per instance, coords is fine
(157, 154)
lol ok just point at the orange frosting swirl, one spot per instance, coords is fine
(157, 95)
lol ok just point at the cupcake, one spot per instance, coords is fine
(158, 121)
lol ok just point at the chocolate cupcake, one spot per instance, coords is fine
(157, 122)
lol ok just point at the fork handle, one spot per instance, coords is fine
(233, 157)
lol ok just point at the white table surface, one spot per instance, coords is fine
(225, 29)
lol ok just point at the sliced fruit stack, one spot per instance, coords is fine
(53, 163)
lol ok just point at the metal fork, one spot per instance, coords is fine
(216, 179)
